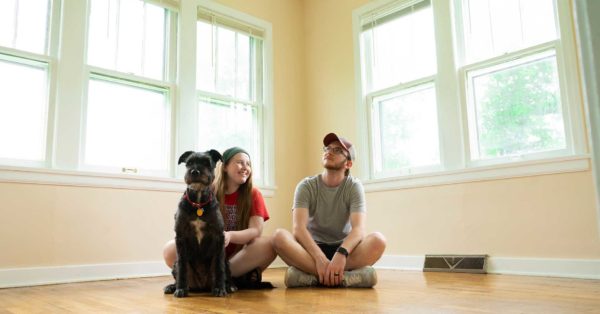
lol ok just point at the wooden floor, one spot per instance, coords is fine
(396, 292)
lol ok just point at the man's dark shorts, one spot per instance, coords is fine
(328, 249)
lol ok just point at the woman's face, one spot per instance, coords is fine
(238, 169)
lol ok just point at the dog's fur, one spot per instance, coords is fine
(201, 263)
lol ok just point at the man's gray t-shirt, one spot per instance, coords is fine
(329, 208)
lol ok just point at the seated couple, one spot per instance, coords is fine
(328, 246)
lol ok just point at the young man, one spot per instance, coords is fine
(329, 245)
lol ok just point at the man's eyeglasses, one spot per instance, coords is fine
(334, 150)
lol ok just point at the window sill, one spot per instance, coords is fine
(9, 174)
(484, 173)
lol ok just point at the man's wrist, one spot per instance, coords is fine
(342, 251)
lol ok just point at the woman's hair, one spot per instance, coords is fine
(244, 200)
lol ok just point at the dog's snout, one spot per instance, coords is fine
(194, 172)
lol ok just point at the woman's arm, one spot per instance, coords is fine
(255, 227)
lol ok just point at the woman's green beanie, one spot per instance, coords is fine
(232, 152)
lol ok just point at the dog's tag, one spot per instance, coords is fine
(200, 211)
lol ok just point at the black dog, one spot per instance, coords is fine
(201, 263)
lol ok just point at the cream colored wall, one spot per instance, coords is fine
(542, 216)
(550, 216)
(46, 225)
(57, 225)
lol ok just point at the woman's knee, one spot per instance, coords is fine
(170, 253)
(266, 247)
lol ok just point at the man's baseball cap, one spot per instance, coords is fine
(332, 137)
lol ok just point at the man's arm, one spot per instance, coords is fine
(300, 231)
(338, 262)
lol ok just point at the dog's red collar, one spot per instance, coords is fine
(199, 206)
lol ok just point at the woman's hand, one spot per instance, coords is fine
(227, 238)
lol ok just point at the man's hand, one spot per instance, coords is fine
(335, 271)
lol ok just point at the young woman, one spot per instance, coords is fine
(244, 212)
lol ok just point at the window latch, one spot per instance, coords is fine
(129, 170)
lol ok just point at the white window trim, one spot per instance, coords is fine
(454, 150)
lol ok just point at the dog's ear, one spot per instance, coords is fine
(184, 156)
(215, 155)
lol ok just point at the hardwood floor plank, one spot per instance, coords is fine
(396, 292)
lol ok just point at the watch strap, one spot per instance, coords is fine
(342, 251)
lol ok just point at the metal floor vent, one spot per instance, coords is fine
(456, 263)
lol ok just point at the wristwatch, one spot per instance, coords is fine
(342, 251)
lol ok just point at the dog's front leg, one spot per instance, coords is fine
(219, 280)
(181, 283)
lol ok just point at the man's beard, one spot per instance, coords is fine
(333, 166)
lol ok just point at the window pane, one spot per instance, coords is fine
(23, 111)
(24, 24)
(126, 126)
(205, 70)
(154, 41)
(517, 108)
(127, 36)
(243, 73)
(408, 130)
(226, 54)
(400, 50)
(495, 27)
(229, 56)
(221, 126)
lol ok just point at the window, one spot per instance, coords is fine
(515, 108)
(399, 66)
(122, 132)
(24, 85)
(24, 25)
(230, 88)
(128, 113)
(512, 79)
(485, 83)
(128, 36)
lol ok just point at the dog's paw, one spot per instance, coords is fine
(232, 288)
(181, 293)
(219, 292)
(169, 289)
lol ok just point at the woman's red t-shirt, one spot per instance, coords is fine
(258, 209)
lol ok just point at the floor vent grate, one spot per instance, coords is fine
(456, 263)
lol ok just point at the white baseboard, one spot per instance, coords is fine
(550, 267)
(33, 276)
(401, 262)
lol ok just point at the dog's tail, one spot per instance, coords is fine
(255, 285)
(252, 281)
